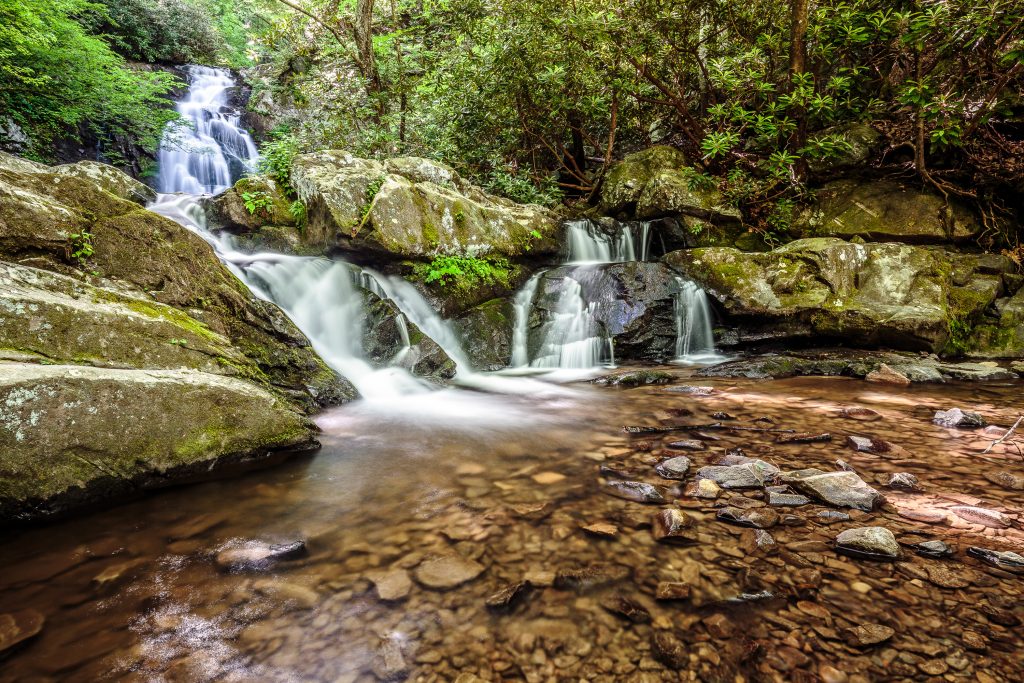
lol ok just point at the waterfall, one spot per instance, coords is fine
(522, 304)
(590, 244)
(212, 150)
(695, 341)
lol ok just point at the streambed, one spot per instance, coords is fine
(445, 502)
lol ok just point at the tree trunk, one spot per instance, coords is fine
(798, 37)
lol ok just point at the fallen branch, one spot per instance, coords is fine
(1005, 436)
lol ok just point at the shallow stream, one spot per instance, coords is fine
(443, 500)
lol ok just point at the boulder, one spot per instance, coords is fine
(73, 434)
(862, 141)
(658, 182)
(384, 343)
(413, 208)
(486, 334)
(1001, 334)
(875, 543)
(632, 303)
(106, 177)
(885, 211)
(229, 212)
(903, 296)
(45, 217)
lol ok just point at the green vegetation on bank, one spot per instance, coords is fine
(65, 74)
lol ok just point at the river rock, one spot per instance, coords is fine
(687, 445)
(887, 375)
(391, 585)
(142, 428)
(672, 526)
(508, 595)
(958, 419)
(984, 516)
(934, 549)
(18, 627)
(636, 491)
(860, 413)
(672, 590)
(674, 468)
(669, 650)
(787, 499)
(832, 516)
(447, 571)
(1006, 480)
(803, 438)
(904, 480)
(866, 444)
(843, 489)
(872, 543)
(627, 608)
(867, 635)
(758, 518)
(258, 556)
(746, 476)
(1007, 560)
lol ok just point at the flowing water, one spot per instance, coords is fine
(137, 592)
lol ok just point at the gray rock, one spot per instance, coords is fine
(933, 549)
(750, 475)
(636, 491)
(672, 526)
(787, 499)
(958, 419)
(843, 489)
(904, 480)
(687, 445)
(866, 444)
(756, 518)
(1008, 560)
(674, 468)
(872, 543)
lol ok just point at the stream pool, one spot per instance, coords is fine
(486, 523)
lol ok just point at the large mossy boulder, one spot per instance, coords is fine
(46, 218)
(228, 210)
(885, 211)
(72, 434)
(908, 297)
(1000, 334)
(412, 208)
(659, 182)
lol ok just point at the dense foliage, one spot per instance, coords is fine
(63, 74)
(535, 97)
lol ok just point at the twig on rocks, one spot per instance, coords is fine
(1005, 436)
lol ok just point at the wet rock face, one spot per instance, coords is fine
(384, 346)
(890, 294)
(632, 304)
(18, 627)
(412, 208)
(486, 334)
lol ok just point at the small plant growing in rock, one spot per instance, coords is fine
(80, 246)
(258, 202)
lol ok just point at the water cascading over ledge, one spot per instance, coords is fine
(609, 301)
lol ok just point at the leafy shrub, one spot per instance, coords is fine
(464, 272)
(258, 202)
(80, 247)
(277, 156)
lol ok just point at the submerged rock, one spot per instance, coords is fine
(1006, 480)
(933, 549)
(669, 650)
(508, 595)
(636, 491)
(258, 556)
(843, 489)
(867, 635)
(448, 571)
(687, 445)
(803, 438)
(758, 518)
(984, 516)
(18, 627)
(627, 608)
(958, 419)
(887, 375)
(672, 526)
(672, 590)
(392, 585)
(904, 480)
(870, 543)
